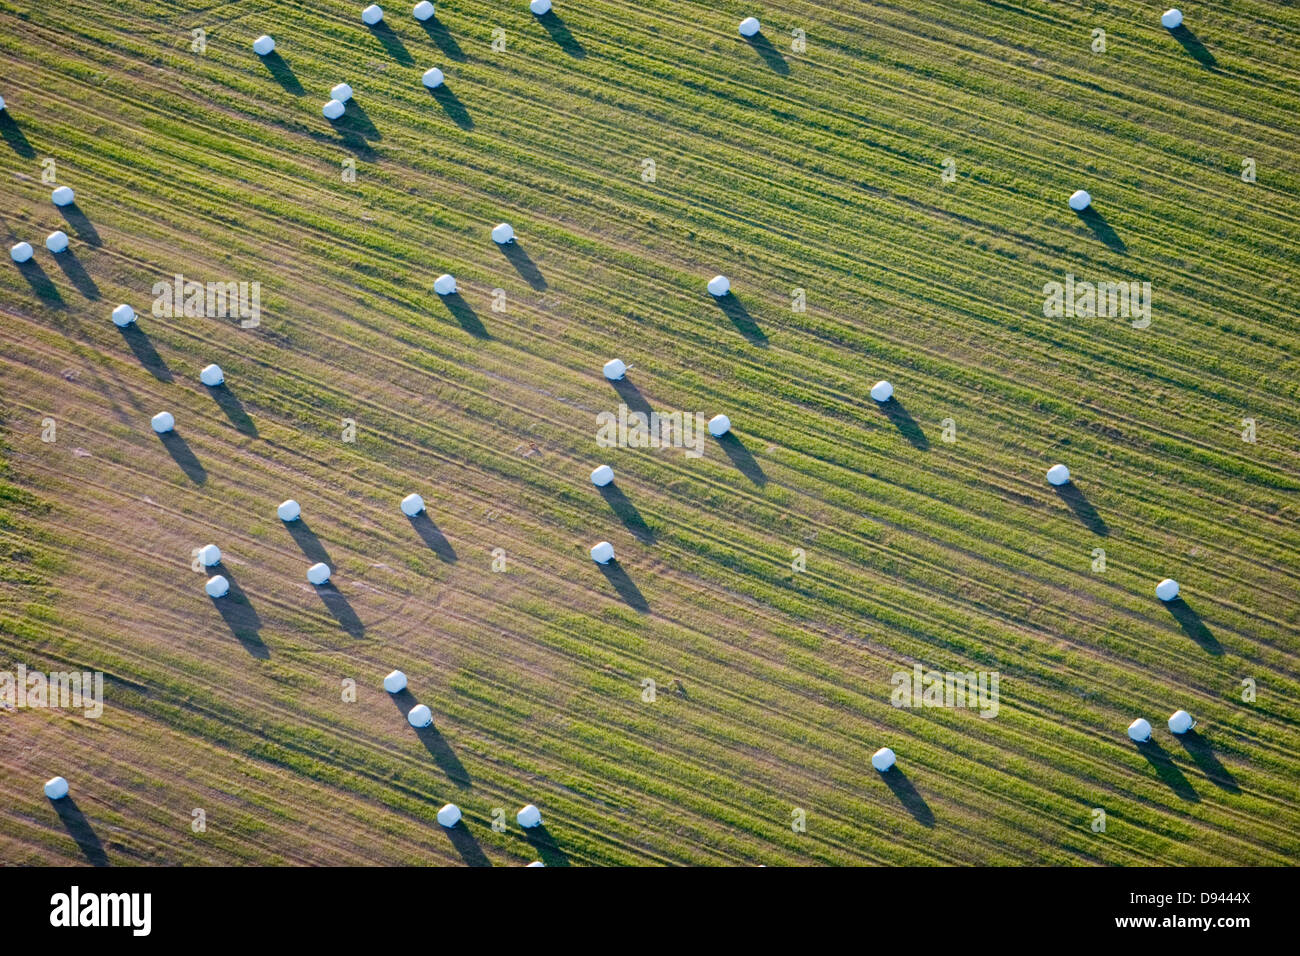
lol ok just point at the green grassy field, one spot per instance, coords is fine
(818, 170)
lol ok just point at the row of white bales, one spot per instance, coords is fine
(614, 370)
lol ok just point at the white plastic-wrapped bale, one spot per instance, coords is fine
(332, 110)
(615, 369)
(449, 815)
(217, 586)
(1180, 721)
(432, 78)
(1140, 730)
(883, 759)
(529, 817)
(318, 573)
(602, 552)
(123, 315)
(1058, 475)
(57, 241)
(535, 863)
(882, 391)
(264, 45)
(1171, 19)
(56, 788)
(63, 196)
(395, 682)
(341, 92)
(539, 7)
(502, 233)
(423, 10)
(602, 476)
(420, 716)
(2, 102)
(209, 555)
(163, 422)
(20, 252)
(412, 505)
(750, 26)
(719, 425)
(372, 14)
(1167, 589)
(288, 510)
(445, 284)
(1080, 200)
(212, 376)
(719, 286)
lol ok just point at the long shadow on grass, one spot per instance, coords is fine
(548, 851)
(14, 136)
(1168, 772)
(180, 451)
(735, 310)
(466, 845)
(1194, 47)
(523, 264)
(627, 513)
(392, 43)
(45, 289)
(229, 403)
(452, 106)
(446, 42)
(632, 397)
(144, 352)
(1193, 626)
(433, 742)
(742, 459)
(1200, 750)
(338, 605)
(81, 225)
(904, 422)
(463, 313)
(1102, 229)
(429, 533)
(77, 275)
(560, 34)
(770, 54)
(242, 618)
(283, 73)
(306, 540)
(908, 796)
(79, 828)
(355, 123)
(624, 585)
(1082, 508)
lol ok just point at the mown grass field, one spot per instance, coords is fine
(818, 170)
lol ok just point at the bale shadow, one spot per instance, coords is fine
(1082, 508)
(560, 34)
(355, 123)
(338, 605)
(79, 828)
(36, 278)
(283, 73)
(433, 742)
(1194, 627)
(466, 845)
(391, 42)
(76, 273)
(770, 54)
(1200, 750)
(180, 451)
(735, 310)
(1102, 229)
(627, 513)
(446, 42)
(624, 585)
(14, 136)
(429, 533)
(1194, 47)
(80, 224)
(548, 851)
(904, 422)
(742, 459)
(242, 618)
(523, 264)
(229, 403)
(306, 539)
(631, 397)
(138, 341)
(908, 796)
(1168, 772)
(452, 106)
(464, 313)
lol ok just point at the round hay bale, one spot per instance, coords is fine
(20, 252)
(318, 573)
(1080, 200)
(123, 315)
(56, 788)
(212, 376)
(63, 196)
(602, 476)
(449, 815)
(502, 233)
(602, 552)
(445, 284)
(372, 14)
(529, 817)
(1139, 731)
(163, 422)
(217, 586)
(750, 26)
(395, 682)
(57, 241)
(1180, 721)
(264, 45)
(883, 759)
(1058, 475)
(719, 425)
(540, 8)
(1167, 589)
(882, 391)
(432, 78)
(420, 716)
(423, 10)
(412, 505)
(288, 510)
(1171, 19)
(719, 286)
(209, 555)
(615, 369)
(332, 110)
